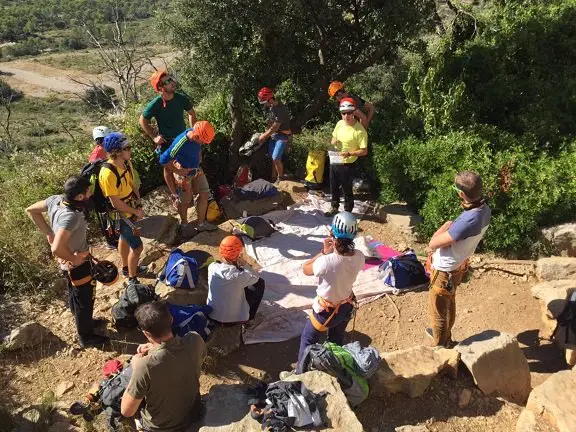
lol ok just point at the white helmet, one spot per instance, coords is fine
(345, 225)
(346, 106)
(100, 132)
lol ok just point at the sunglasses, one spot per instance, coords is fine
(348, 113)
(168, 81)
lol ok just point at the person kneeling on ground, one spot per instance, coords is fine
(117, 184)
(66, 235)
(234, 291)
(166, 374)
(452, 245)
(336, 266)
(183, 158)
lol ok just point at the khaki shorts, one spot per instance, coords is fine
(198, 184)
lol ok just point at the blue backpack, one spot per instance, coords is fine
(181, 270)
(403, 271)
(190, 318)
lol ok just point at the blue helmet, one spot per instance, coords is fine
(115, 141)
(345, 226)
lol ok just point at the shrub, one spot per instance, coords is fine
(101, 97)
(7, 93)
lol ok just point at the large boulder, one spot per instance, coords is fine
(551, 405)
(399, 215)
(554, 295)
(410, 371)
(497, 364)
(235, 416)
(158, 229)
(28, 335)
(561, 239)
(556, 268)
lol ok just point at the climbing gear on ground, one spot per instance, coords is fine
(254, 227)
(335, 87)
(231, 248)
(403, 271)
(103, 271)
(134, 295)
(213, 212)
(345, 226)
(181, 270)
(315, 163)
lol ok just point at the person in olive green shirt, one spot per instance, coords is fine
(165, 373)
(168, 109)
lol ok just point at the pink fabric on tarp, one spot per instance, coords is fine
(384, 252)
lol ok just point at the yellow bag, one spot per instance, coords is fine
(213, 212)
(315, 166)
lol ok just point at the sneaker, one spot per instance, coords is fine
(206, 226)
(140, 270)
(111, 246)
(96, 340)
(331, 213)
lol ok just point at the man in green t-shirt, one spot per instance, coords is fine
(168, 109)
(165, 372)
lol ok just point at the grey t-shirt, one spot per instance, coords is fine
(61, 216)
(280, 114)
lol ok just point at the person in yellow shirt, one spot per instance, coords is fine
(350, 141)
(116, 180)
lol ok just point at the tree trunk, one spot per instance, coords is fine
(237, 120)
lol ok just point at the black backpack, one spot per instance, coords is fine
(91, 171)
(110, 394)
(133, 296)
(567, 319)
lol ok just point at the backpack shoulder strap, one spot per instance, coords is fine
(116, 173)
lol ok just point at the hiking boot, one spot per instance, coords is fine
(96, 341)
(99, 322)
(206, 226)
(140, 270)
(333, 212)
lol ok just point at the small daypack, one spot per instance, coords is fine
(256, 190)
(111, 391)
(255, 227)
(133, 296)
(403, 271)
(91, 171)
(190, 318)
(182, 270)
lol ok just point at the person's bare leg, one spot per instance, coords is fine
(123, 250)
(274, 172)
(167, 175)
(279, 166)
(185, 202)
(133, 258)
(202, 206)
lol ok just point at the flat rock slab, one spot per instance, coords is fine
(497, 364)
(158, 229)
(554, 295)
(410, 371)
(552, 404)
(399, 215)
(227, 406)
(28, 335)
(556, 268)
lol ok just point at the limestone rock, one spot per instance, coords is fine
(464, 398)
(291, 187)
(28, 335)
(561, 239)
(571, 357)
(497, 364)
(529, 422)
(554, 295)
(411, 370)
(552, 403)
(399, 215)
(182, 297)
(556, 268)
(409, 428)
(63, 387)
(158, 229)
(235, 418)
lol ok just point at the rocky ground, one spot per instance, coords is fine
(59, 373)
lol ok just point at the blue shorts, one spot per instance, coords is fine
(276, 145)
(129, 237)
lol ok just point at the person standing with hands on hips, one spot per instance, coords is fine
(351, 142)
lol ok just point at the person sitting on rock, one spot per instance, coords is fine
(66, 234)
(452, 245)
(336, 266)
(234, 290)
(183, 158)
(166, 373)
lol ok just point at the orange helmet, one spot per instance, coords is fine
(230, 248)
(265, 94)
(334, 87)
(156, 77)
(204, 131)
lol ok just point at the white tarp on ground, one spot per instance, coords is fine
(289, 293)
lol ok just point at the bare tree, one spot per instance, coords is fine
(7, 144)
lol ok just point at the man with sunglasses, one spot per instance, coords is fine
(350, 142)
(168, 109)
(364, 109)
(116, 180)
(452, 245)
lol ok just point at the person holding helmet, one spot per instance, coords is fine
(364, 110)
(336, 266)
(234, 290)
(116, 180)
(278, 133)
(182, 160)
(98, 152)
(167, 108)
(350, 141)
(66, 234)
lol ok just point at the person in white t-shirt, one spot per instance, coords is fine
(234, 291)
(336, 266)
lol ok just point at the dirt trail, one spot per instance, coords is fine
(41, 80)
